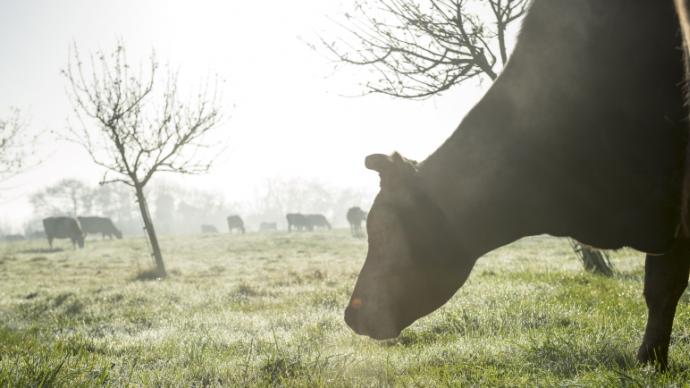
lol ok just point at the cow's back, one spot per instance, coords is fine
(235, 221)
(103, 225)
(581, 135)
(61, 227)
(317, 220)
(296, 219)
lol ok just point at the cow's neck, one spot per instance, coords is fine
(549, 148)
(474, 193)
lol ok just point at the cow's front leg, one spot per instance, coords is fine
(665, 279)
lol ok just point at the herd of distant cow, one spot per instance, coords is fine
(76, 229)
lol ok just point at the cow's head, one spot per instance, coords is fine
(118, 234)
(414, 263)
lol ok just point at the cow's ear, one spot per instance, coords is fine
(378, 162)
(398, 159)
(393, 170)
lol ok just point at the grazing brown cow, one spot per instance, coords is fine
(317, 221)
(355, 216)
(63, 227)
(297, 221)
(235, 222)
(102, 225)
(583, 135)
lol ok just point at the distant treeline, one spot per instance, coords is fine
(180, 210)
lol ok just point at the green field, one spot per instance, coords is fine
(266, 309)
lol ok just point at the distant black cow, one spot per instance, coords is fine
(297, 221)
(235, 222)
(355, 216)
(268, 226)
(63, 227)
(208, 229)
(317, 221)
(102, 225)
(13, 237)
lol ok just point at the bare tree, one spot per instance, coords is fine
(135, 129)
(418, 48)
(594, 260)
(14, 146)
(68, 196)
(116, 202)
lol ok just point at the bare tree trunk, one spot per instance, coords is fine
(150, 231)
(502, 44)
(594, 260)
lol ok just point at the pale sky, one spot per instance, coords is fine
(285, 110)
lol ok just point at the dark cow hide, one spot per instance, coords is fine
(63, 227)
(355, 216)
(302, 222)
(317, 221)
(582, 135)
(102, 225)
(297, 221)
(235, 223)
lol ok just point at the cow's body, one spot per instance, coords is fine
(235, 223)
(355, 216)
(593, 151)
(208, 229)
(317, 221)
(63, 227)
(297, 221)
(102, 225)
(582, 135)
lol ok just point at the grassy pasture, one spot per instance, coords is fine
(266, 309)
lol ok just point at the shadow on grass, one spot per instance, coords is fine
(149, 274)
(42, 250)
(278, 370)
(451, 325)
(566, 358)
(30, 361)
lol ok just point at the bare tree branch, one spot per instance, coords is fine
(16, 145)
(133, 130)
(68, 196)
(11, 153)
(418, 48)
